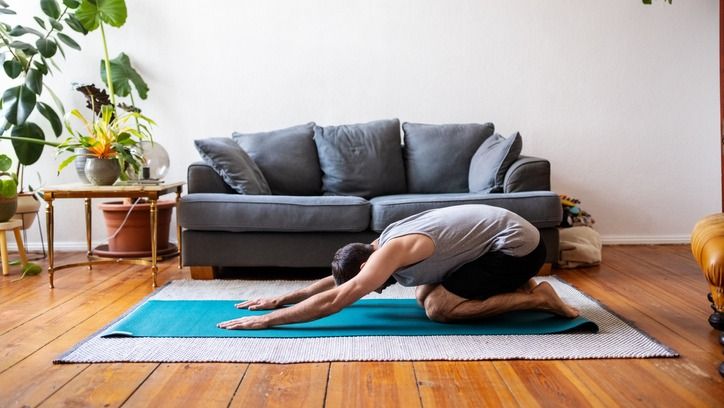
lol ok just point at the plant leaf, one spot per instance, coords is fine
(56, 100)
(41, 67)
(31, 269)
(21, 45)
(3, 4)
(28, 152)
(72, 3)
(5, 162)
(6, 11)
(47, 48)
(75, 24)
(40, 22)
(92, 12)
(18, 103)
(55, 24)
(51, 8)
(122, 75)
(68, 41)
(8, 188)
(52, 117)
(13, 68)
(60, 48)
(17, 31)
(34, 81)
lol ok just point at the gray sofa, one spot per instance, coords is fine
(305, 191)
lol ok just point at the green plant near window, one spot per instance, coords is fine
(28, 55)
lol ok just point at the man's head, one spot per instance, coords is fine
(348, 261)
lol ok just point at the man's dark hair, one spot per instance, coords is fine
(348, 259)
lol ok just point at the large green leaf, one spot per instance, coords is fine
(5, 162)
(122, 75)
(34, 81)
(8, 188)
(27, 152)
(92, 12)
(72, 3)
(68, 41)
(17, 31)
(18, 103)
(13, 68)
(52, 117)
(47, 48)
(51, 8)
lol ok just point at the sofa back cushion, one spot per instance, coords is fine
(492, 160)
(287, 158)
(233, 164)
(437, 157)
(363, 160)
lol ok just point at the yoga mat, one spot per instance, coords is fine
(367, 317)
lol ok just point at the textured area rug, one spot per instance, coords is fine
(615, 338)
(366, 317)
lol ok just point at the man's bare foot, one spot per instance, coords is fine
(550, 301)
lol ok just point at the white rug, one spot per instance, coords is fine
(615, 339)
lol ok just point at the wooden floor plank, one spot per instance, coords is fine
(283, 386)
(101, 385)
(449, 384)
(178, 385)
(372, 385)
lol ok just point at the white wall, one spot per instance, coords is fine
(622, 98)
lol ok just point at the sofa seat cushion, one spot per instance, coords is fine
(540, 208)
(243, 213)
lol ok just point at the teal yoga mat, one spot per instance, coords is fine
(373, 317)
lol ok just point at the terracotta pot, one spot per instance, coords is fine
(28, 205)
(135, 235)
(8, 207)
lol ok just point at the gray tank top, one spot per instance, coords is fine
(461, 234)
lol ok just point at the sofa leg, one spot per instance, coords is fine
(546, 269)
(202, 272)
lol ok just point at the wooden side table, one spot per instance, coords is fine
(87, 192)
(14, 226)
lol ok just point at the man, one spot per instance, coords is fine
(467, 262)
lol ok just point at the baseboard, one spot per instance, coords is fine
(59, 246)
(645, 239)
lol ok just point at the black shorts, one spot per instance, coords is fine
(495, 273)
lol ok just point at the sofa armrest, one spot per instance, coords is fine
(528, 174)
(202, 178)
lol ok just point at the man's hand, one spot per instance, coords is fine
(259, 304)
(245, 323)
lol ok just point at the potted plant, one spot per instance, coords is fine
(28, 54)
(8, 189)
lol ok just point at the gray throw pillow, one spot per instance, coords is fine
(437, 157)
(287, 158)
(491, 162)
(233, 164)
(363, 160)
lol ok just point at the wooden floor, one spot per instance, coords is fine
(659, 288)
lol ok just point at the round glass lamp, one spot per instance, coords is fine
(155, 162)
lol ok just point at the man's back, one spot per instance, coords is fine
(461, 234)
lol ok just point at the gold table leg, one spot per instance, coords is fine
(154, 241)
(88, 229)
(178, 227)
(50, 226)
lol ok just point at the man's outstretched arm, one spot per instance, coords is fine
(289, 298)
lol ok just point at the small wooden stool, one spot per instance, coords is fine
(15, 226)
(707, 246)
